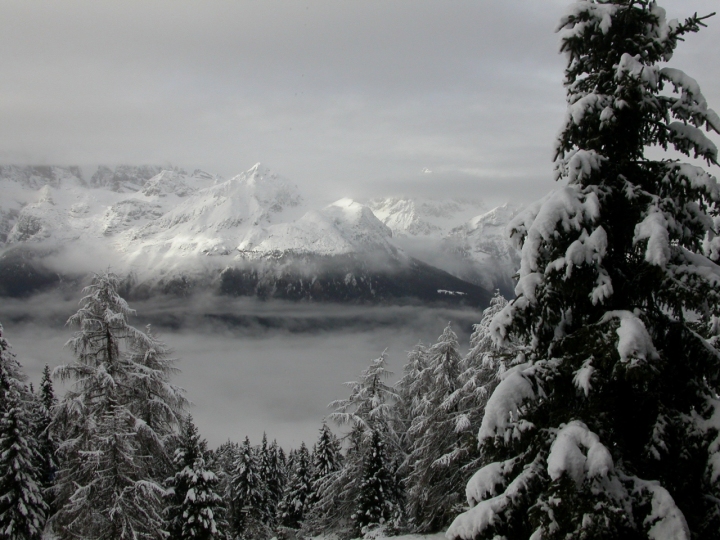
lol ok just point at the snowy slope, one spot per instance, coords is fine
(481, 252)
(460, 237)
(414, 217)
(67, 210)
(124, 178)
(19, 187)
(210, 221)
(342, 227)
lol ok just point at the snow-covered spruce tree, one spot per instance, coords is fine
(274, 480)
(45, 403)
(298, 489)
(111, 425)
(485, 355)
(607, 426)
(247, 494)
(480, 372)
(434, 484)
(376, 504)
(409, 390)
(269, 479)
(326, 457)
(23, 510)
(11, 374)
(327, 460)
(193, 510)
(222, 465)
(368, 409)
(369, 406)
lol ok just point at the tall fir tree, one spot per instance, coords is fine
(47, 445)
(222, 465)
(194, 510)
(607, 426)
(376, 505)
(247, 493)
(265, 472)
(327, 457)
(480, 372)
(274, 478)
(11, 374)
(409, 389)
(326, 460)
(112, 424)
(434, 480)
(298, 490)
(369, 408)
(23, 510)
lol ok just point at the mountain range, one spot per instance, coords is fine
(255, 234)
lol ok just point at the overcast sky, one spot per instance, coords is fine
(343, 97)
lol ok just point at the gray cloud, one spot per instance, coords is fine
(337, 96)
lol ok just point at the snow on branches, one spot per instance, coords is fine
(617, 295)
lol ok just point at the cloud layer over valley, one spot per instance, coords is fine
(248, 366)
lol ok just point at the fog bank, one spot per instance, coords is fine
(249, 366)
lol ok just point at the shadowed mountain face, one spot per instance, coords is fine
(309, 277)
(22, 273)
(171, 232)
(349, 278)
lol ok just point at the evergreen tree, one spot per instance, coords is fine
(45, 404)
(326, 456)
(607, 426)
(194, 509)
(434, 481)
(222, 465)
(368, 409)
(117, 498)
(112, 424)
(11, 375)
(411, 386)
(376, 504)
(297, 491)
(486, 356)
(480, 372)
(247, 493)
(369, 406)
(274, 479)
(23, 510)
(264, 460)
(47, 393)
(326, 460)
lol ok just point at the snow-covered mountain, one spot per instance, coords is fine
(252, 234)
(480, 252)
(464, 238)
(124, 178)
(414, 217)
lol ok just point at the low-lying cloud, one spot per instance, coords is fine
(249, 366)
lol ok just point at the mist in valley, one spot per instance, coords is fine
(248, 366)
